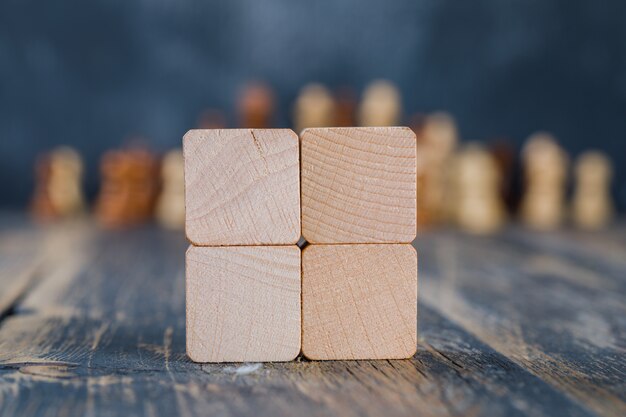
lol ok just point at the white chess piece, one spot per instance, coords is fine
(592, 207)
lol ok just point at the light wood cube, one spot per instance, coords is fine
(359, 185)
(242, 187)
(243, 303)
(359, 302)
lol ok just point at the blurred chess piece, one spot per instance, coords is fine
(479, 208)
(129, 188)
(345, 106)
(315, 107)
(58, 191)
(545, 172)
(504, 155)
(592, 207)
(381, 105)
(211, 119)
(170, 211)
(256, 106)
(437, 142)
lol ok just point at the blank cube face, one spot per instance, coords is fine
(243, 303)
(359, 302)
(359, 185)
(242, 187)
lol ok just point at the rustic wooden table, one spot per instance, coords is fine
(92, 323)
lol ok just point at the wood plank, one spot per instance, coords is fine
(242, 187)
(567, 330)
(359, 185)
(105, 335)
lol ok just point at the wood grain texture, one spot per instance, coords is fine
(538, 331)
(243, 303)
(358, 185)
(242, 187)
(560, 319)
(359, 302)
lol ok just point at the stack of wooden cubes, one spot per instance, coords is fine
(252, 293)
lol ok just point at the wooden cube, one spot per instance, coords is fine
(242, 187)
(243, 303)
(358, 185)
(359, 302)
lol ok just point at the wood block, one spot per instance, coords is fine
(359, 185)
(359, 302)
(242, 187)
(243, 303)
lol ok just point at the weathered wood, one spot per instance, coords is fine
(551, 316)
(103, 333)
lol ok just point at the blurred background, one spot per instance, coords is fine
(99, 75)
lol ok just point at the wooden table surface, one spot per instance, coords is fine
(92, 323)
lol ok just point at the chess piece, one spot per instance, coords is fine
(345, 105)
(129, 188)
(212, 119)
(170, 211)
(479, 208)
(315, 107)
(381, 105)
(58, 191)
(504, 155)
(545, 170)
(256, 106)
(592, 207)
(438, 139)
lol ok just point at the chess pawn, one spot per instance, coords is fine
(592, 207)
(211, 119)
(170, 211)
(345, 105)
(440, 139)
(545, 171)
(256, 106)
(58, 191)
(381, 105)
(66, 168)
(479, 208)
(315, 107)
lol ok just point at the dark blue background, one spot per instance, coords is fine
(91, 73)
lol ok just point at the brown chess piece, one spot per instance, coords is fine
(211, 119)
(256, 106)
(545, 173)
(170, 211)
(314, 107)
(129, 188)
(381, 105)
(58, 191)
(479, 208)
(592, 206)
(345, 107)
